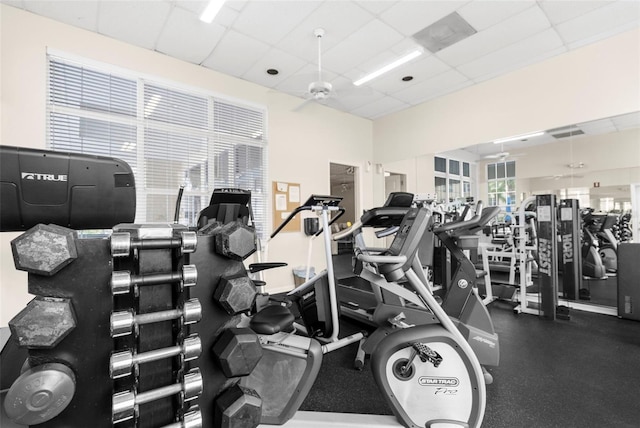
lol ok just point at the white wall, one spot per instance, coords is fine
(593, 82)
(301, 144)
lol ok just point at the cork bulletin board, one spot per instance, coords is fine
(286, 198)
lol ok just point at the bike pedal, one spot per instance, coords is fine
(427, 354)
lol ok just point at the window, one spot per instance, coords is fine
(501, 184)
(451, 181)
(170, 137)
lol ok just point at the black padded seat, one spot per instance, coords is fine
(272, 319)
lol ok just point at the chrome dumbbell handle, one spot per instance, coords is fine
(123, 322)
(122, 243)
(191, 419)
(121, 363)
(125, 404)
(123, 281)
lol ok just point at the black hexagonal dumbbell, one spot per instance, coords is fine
(237, 407)
(235, 240)
(43, 323)
(237, 351)
(44, 249)
(235, 294)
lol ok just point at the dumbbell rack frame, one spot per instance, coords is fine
(148, 259)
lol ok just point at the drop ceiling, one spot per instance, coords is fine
(250, 36)
(573, 132)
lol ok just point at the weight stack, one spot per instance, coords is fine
(547, 255)
(629, 280)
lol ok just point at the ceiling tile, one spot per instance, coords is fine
(444, 83)
(421, 69)
(135, 22)
(271, 21)
(409, 17)
(376, 6)
(362, 45)
(226, 16)
(511, 30)
(237, 5)
(598, 127)
(235, 54)
(338, 18)
(625, 121)
(561, 11)
(286, 64)
(484, 14)
(83, 14)
(187, 38)
(514, 56)
(605, 20)
(380, 108)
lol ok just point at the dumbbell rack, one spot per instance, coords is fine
(155, 382)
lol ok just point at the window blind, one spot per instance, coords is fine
(170, 137)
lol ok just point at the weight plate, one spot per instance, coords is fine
(40, 394)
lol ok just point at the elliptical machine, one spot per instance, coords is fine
(428, 373)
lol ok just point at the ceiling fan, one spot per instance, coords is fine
(318, 90)
(503, 155)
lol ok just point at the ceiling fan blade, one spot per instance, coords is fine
(303, 104)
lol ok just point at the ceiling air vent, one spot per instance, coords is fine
(444, 33)
(568, 134)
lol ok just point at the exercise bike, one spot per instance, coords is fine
(428, 373)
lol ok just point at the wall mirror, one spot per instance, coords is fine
(595, 162)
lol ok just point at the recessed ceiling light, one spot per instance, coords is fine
(272, 71)
(407, 78)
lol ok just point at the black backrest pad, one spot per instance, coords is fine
(226, 205)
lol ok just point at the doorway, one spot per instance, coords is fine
(343, 183)
(394, 182)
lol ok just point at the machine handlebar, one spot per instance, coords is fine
(315, 202)
(462, 224)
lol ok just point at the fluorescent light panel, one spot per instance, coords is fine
(211, 11)
(518, 137)
(395, 64)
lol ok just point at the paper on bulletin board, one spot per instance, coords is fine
(294, 194)
(281, 202)
(286, 198)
